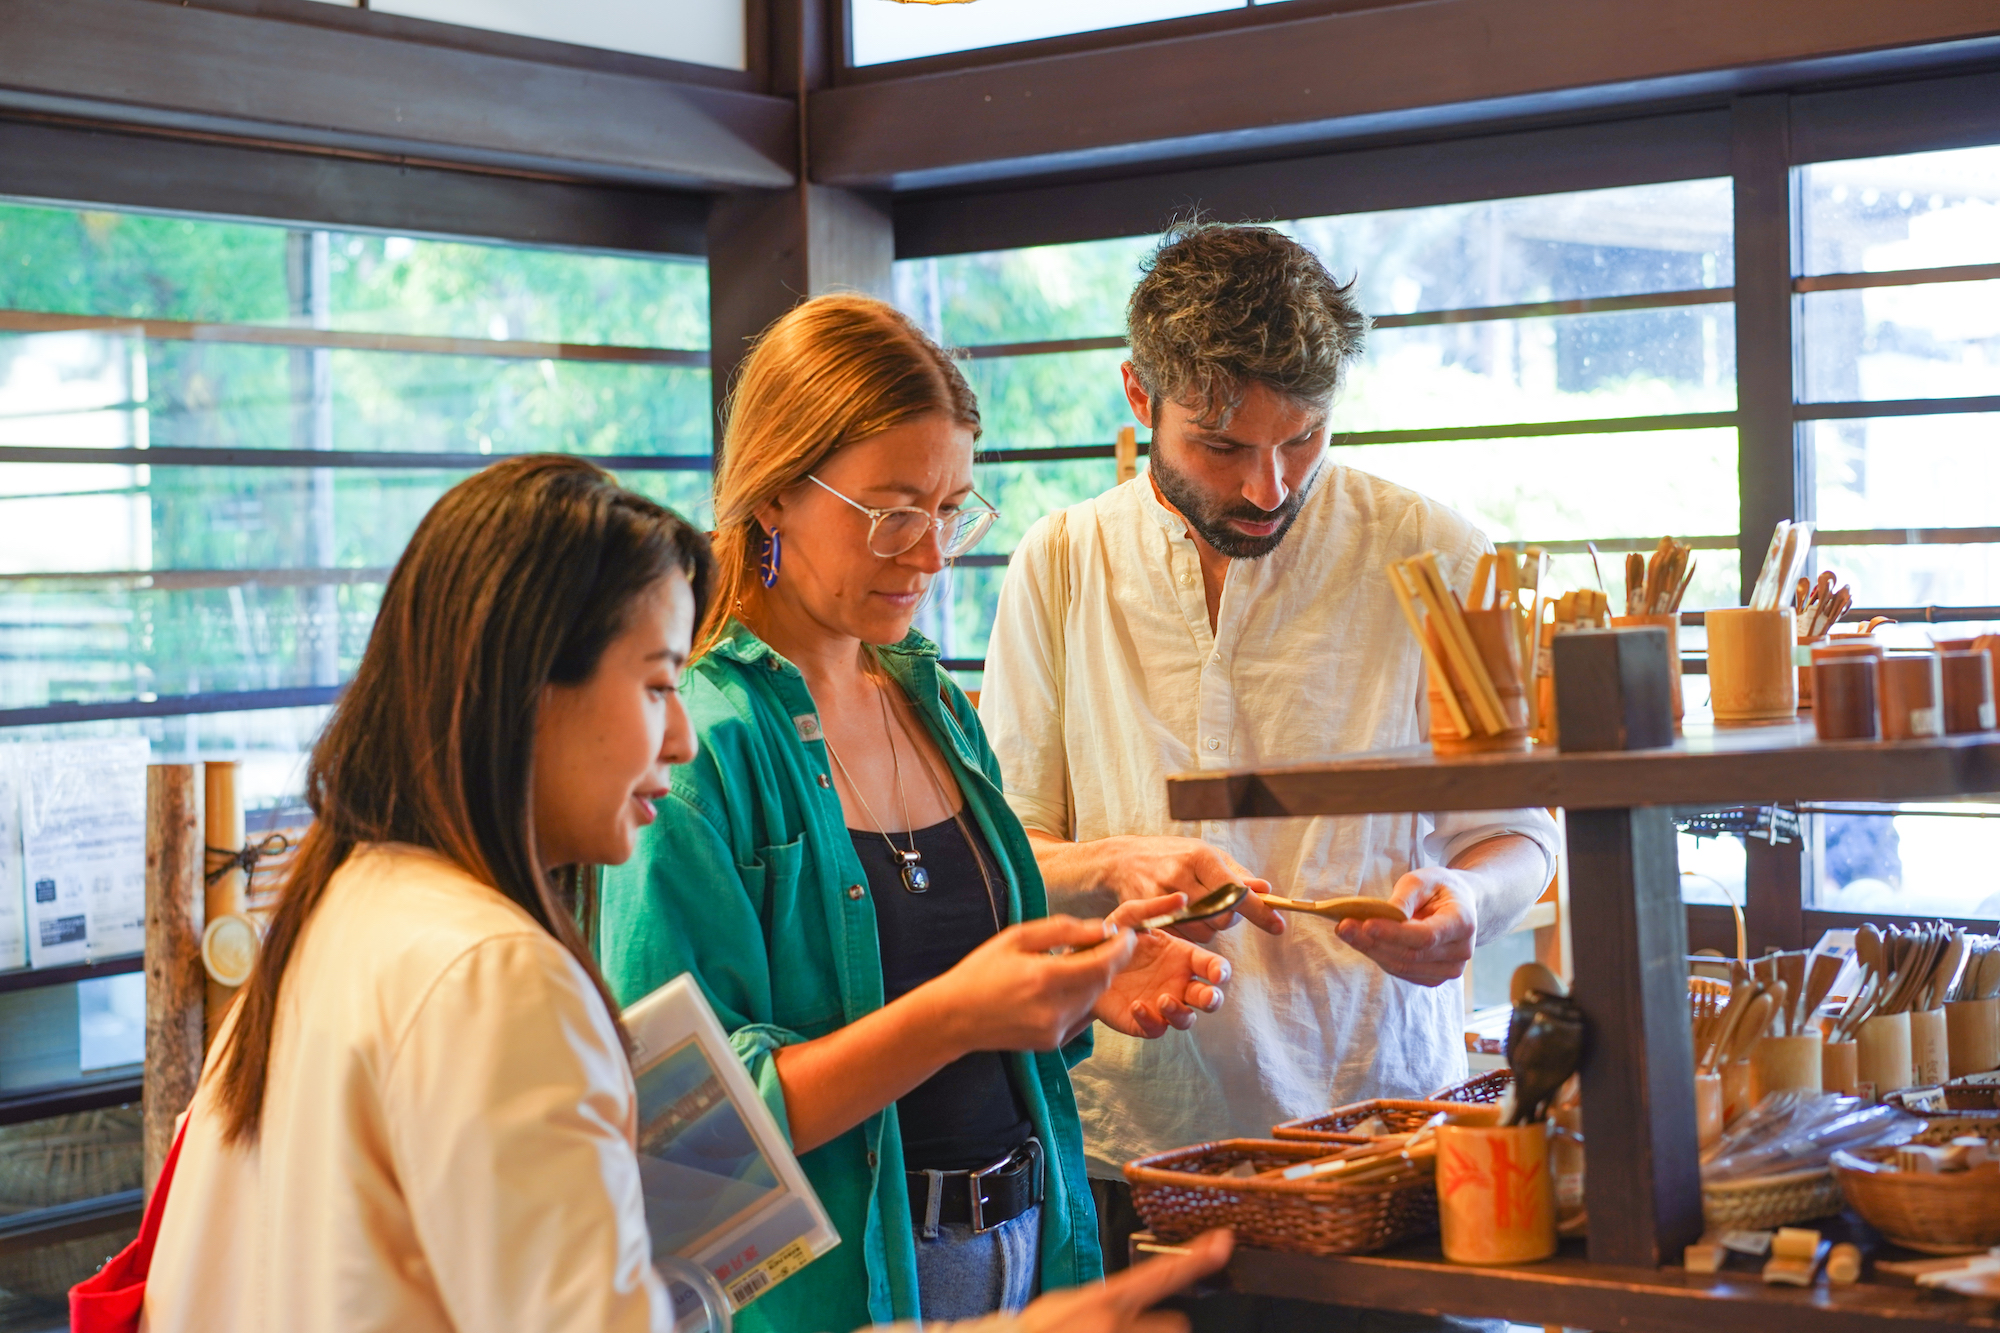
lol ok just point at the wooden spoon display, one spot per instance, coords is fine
(1340, 909)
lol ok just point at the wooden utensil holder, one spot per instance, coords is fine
(1750, 673)
(1967, 678)
(1496, 1197)
(1785, 1064)
(1493, 635)
(1930, 1048)
(1839, 1067)
(1844, 707)
(1972, 1034)
(1669, 621)
(1707, 1108)
(1883, 1058)
(1735, 1091)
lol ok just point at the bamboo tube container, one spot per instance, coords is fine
(228, 893)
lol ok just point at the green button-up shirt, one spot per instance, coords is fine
(748, 879)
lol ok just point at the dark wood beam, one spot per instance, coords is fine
(76, 163)
(315, 87)
(1286, 87)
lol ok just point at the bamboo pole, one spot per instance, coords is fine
(1128, 454)
(175, 980)
(228, 895)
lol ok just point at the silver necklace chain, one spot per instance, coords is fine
(910, 863)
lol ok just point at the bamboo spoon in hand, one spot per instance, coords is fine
(1339, 909)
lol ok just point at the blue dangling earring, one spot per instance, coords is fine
(774, 555)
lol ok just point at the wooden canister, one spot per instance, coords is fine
(1493, 635)
(1910, 690)
(1882, 1060)
(1972, 1034)
(1839, 1067)
(1750, 674)
(1966, 676)
(1844, 707)
(1496, 1198)
(1785, 1064)
(1930, 1048)
(1671, 623)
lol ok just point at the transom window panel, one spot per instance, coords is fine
(1912, 211)
(884, 30)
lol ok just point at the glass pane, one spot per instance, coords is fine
(1908, 472)
(269, 747)
(103, 263)
(1572, 368)
(1917, 210)
(1714, 871)
(1903, 861)
(1937, 340)
(1059, 399)
(1919, 575)
(119, 390)
(887, 31)
(1618, 242)
(1008, 296)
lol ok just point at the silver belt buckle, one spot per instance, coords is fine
(977, 1189)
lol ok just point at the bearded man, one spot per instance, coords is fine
(1231, 608)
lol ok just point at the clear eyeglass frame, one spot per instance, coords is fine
(893, 531)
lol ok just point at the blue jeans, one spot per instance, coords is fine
(963, 1276)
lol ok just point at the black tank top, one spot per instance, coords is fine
(968, 1114)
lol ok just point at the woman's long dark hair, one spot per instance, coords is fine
(518, 577)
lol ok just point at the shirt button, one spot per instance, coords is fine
(854, 891)
(871, 1161)
(825, 781)
(1187, 580)
(1215, 657)
(1214, 744)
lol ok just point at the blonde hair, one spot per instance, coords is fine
(833, 371)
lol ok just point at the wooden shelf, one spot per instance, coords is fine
(1712, 766)
(1573, 1292)
(35, 978)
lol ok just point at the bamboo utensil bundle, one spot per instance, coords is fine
(1791, 543)
(1389, 1159)
(1981, 978)
(1903, 970)
(1459, 673)
(1654, 586)
(1820, 605)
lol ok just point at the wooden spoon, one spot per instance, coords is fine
(1718, 1042)
(1750, 1029)
(1989, 973)
(1946, 970)
(1825, 967)
(1792, 973)
(1340, 909)
(1533, 976)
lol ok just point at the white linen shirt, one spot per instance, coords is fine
(1310, 657)
(447, 1135)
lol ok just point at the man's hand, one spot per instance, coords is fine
(1133, 868)
(1435, 944)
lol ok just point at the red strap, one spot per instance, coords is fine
(110, 1300)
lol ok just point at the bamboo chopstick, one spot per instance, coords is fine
(1456, 640)
(1440, 681)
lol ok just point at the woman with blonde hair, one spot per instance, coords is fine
(839, 870)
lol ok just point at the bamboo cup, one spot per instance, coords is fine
(1972, 1034)
(1670, 622)
(1494, 635)
(1967, 678)
(1785, 1064)
(1910, 690)
(1930, 1048)
(1882, 1062)
(1707, 1108)
(1750, 673)
(1496, 1198)
(1839, 1069)
(1844, 706)
(1735, 1091)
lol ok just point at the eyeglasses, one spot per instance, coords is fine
(894, 531)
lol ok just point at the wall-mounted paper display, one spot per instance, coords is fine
(73, 846)
(703, 32)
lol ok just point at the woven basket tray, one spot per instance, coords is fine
(1952, 1213)
(1765, 1202)
(70, 1157)
(1481, 1089)
(1337, 1126)
(1184, 1193)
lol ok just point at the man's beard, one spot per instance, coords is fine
(1211, 522)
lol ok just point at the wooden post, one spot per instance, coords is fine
(1128, 454)
(175, 981)
(228, 895)
(1643, 1186)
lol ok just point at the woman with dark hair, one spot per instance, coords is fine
(419, 1116)
(840, 872)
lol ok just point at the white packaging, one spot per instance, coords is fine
(83, 848)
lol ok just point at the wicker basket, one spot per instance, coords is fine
(62, 1160)
(1185, 1192)
(1337, 1126)
(1764, 1202)
(1956, 1212)
(1481, 1089)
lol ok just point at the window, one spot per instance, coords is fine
(885, 30)
(185, 566)
(1899, 399)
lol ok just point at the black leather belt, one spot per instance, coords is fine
(982, 1199)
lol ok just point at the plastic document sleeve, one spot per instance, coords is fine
(722, 1188)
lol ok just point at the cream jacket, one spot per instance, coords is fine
(447, 1135)
(1309, 657)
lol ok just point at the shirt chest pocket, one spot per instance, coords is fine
(805, 989)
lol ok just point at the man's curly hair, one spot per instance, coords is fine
(1224, 306)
